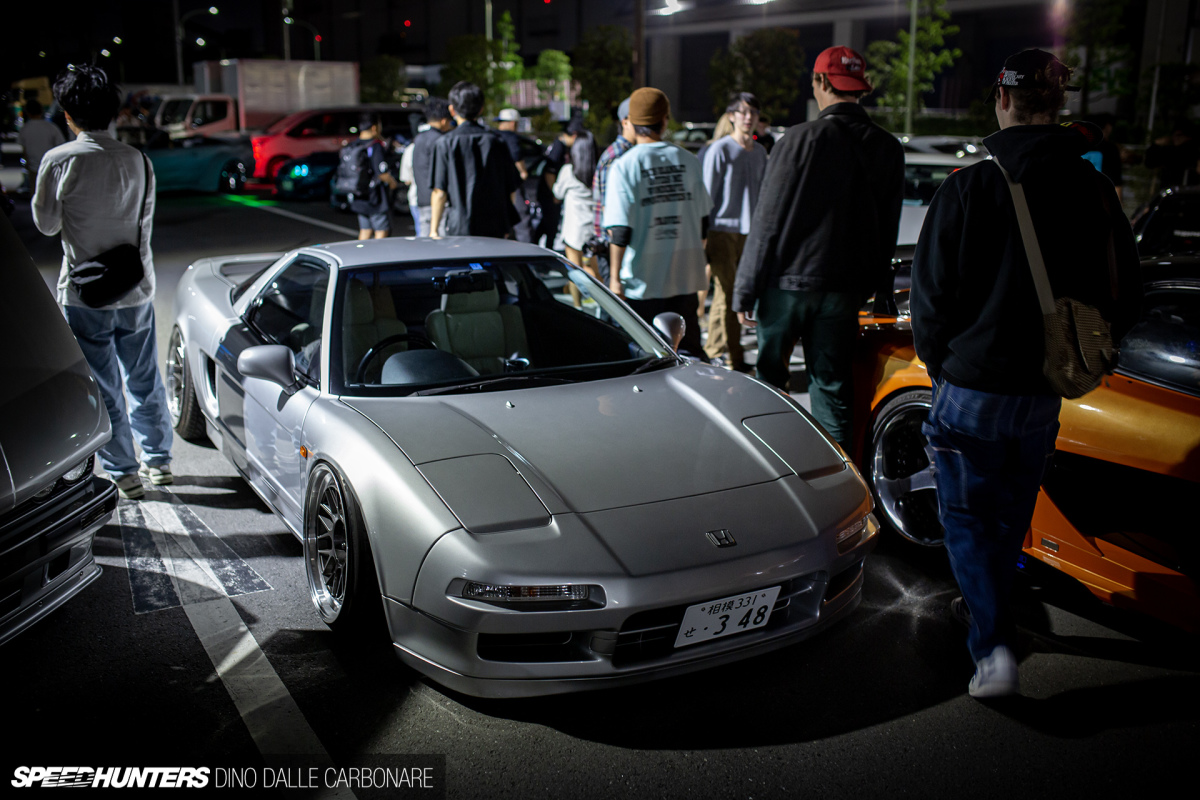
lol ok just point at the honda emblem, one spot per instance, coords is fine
(721, 538)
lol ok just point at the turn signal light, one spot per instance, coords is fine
(492, 592)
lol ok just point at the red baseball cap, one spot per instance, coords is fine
(846, 69)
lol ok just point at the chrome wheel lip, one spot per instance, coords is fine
(888, 499)
(175, 366)
(326, 547)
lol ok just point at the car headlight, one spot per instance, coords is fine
(850, 536)
(554, 597)
(77, 473)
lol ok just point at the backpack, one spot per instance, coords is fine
(354, 172)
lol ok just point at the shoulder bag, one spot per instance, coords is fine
(108, 277)
(1079, 348)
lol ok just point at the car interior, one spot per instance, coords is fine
(420, 325)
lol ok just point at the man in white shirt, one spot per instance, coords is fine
(94, 190)
(38, 136)
(656, 214)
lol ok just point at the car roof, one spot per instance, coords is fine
(941, 159)
(409, 249)
(414, 107)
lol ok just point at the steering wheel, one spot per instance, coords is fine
(412, 337)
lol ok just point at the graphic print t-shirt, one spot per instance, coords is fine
(657, 190)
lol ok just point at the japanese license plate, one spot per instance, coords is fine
(727, 616)
(287, 184)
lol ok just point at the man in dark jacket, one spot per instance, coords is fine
(821, 239)
(975, 319)
(474, 177)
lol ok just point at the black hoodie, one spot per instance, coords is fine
(975, 313)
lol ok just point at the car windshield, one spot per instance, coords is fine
(921, 182)
(1164, 347)
(1173, 227)
(175, 110)
(464, 326)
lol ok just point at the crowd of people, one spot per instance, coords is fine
(794, 241)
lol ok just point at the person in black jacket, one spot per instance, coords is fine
(976, 325)
(821, 238)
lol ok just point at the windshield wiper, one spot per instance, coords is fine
(493, 383)
(655, 363)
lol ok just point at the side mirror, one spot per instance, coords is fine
(270, 362)
(671, 326)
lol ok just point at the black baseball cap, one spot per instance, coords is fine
(1033, 69)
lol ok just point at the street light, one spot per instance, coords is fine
(289, 20)
(179, 20)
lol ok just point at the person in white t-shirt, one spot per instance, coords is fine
(99, 193)
(656, 213)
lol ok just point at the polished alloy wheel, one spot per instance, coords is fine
(176, 364)
(326, 546)
(901, 475)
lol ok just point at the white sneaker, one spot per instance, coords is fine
(159, 476)
(130, 486)
(995, 675)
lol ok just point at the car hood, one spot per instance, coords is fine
(678, 432)
(52, 415)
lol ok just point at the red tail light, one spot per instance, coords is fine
(256, 148)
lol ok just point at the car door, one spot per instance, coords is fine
(266, 418)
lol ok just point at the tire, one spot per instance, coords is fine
(186, 417)
(337, 556)
(274, 165)
(233, 177)
(898, 469)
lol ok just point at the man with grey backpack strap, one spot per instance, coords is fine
(977, 321)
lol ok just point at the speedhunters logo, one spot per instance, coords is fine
(111, 777)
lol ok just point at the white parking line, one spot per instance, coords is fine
(271, 715)
(283, 212)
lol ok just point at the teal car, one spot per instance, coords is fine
(200, 163)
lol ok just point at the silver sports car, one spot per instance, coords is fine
(544, 495)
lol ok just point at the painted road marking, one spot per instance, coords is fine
(271, 715)
(149, 581)
(283, 212)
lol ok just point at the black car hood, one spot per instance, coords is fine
(51, 413)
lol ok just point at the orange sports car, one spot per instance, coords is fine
(1116, 511)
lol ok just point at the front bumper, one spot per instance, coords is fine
(46, 552)
(499, 653)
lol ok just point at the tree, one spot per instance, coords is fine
(553, 74)
(603, 65)
(1094, 31)
(383, 79)
(493, 66)
(888, 60)
(768, 62)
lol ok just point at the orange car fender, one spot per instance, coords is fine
(1130, 422)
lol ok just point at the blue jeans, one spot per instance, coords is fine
(116, 343)
(990, 453)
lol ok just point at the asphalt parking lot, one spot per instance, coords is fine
(224, 663)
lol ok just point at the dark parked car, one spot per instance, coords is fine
(52, 421)
(1169, 223)
(307, 177)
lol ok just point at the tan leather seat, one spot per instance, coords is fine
(477, 329)
(364, 325)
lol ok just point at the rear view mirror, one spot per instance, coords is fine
(672, 326)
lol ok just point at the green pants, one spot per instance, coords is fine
(826, 323)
